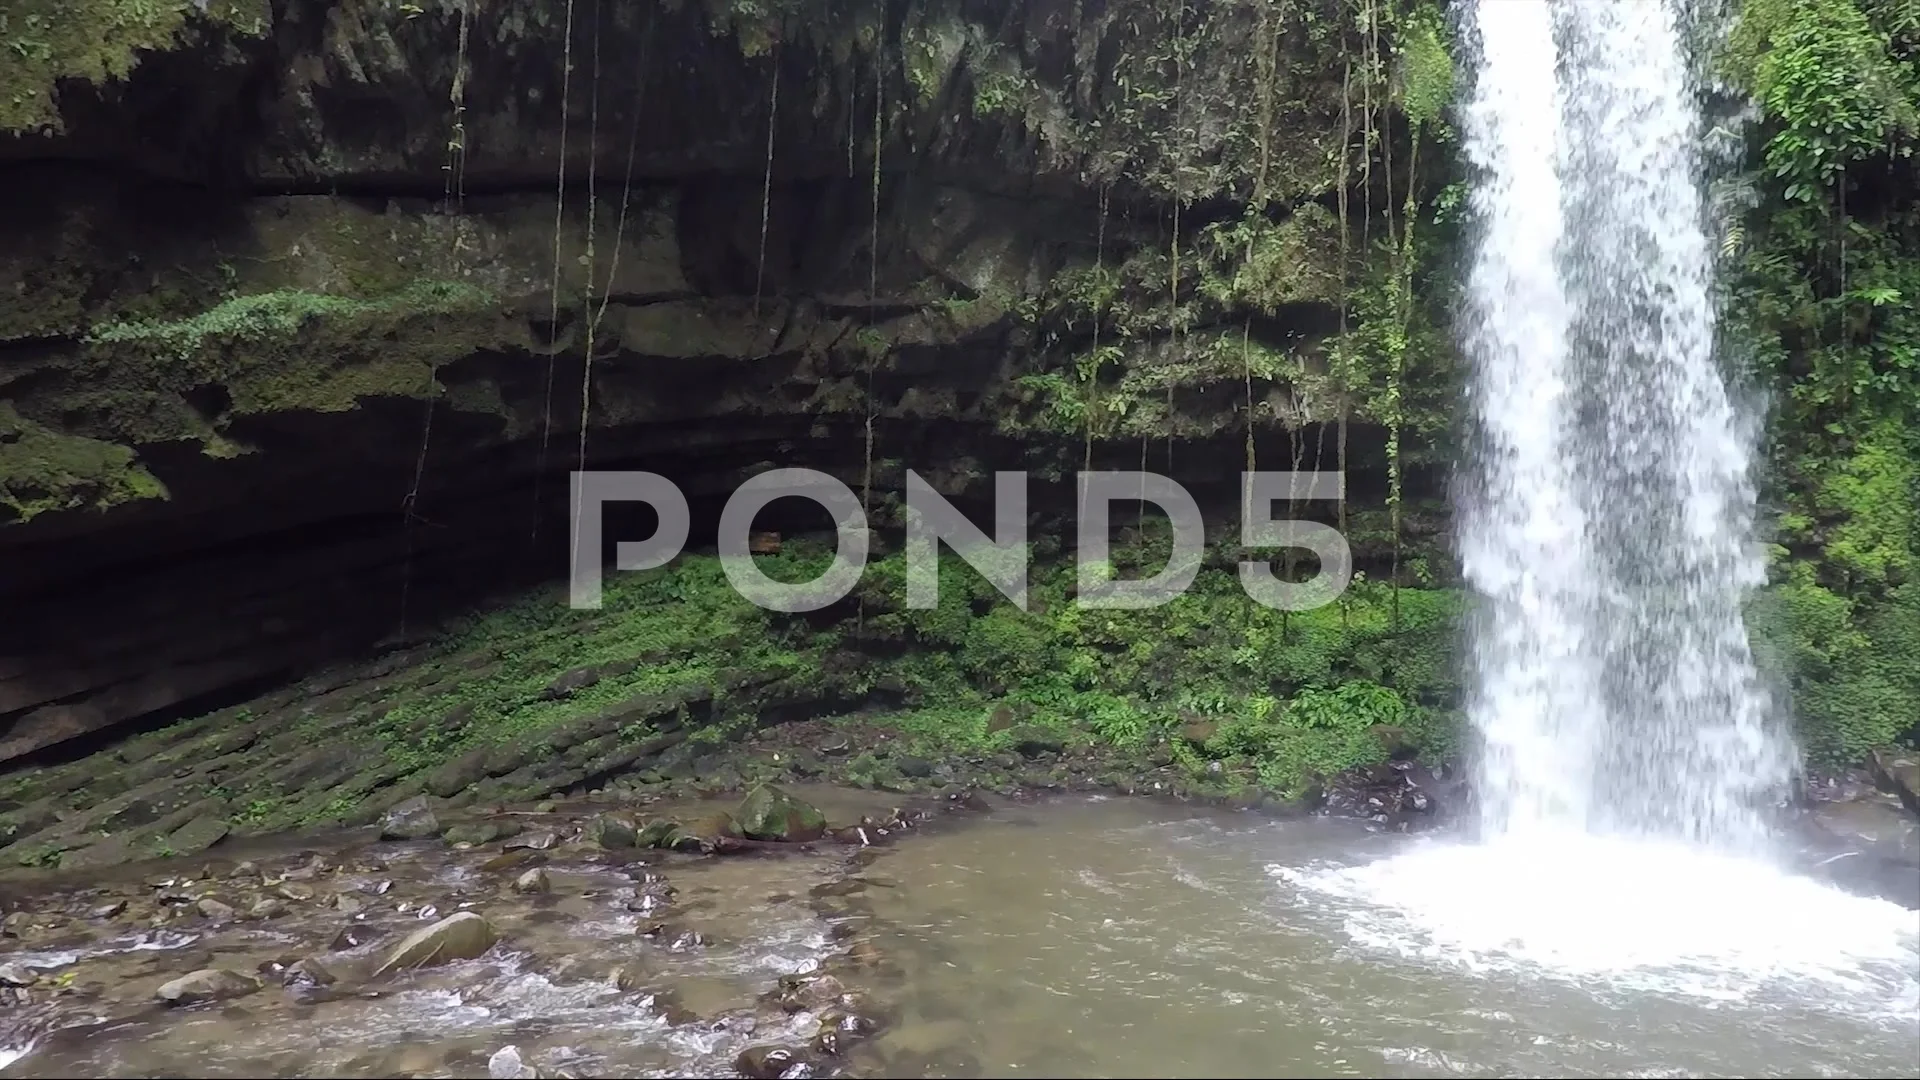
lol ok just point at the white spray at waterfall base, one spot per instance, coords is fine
(1606, 515)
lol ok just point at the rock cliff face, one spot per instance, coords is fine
(298, 345)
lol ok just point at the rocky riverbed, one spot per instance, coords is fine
(617, 935)
(545, 941)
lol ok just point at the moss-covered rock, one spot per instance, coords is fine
(770, 813)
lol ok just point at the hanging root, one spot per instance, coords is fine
(559, 221)
(766, 187)
(453, 201)
(593, 223)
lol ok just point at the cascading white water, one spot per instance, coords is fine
(1609, 510)
(1604, 521)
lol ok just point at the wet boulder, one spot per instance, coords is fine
(410, 820)
(462, 936)
(612, 832)
(770, 813)
(207, 984)
(809, 993)
(769, 1062)
(532, 881)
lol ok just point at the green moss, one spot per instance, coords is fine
(282, 350)
(43, 470)
(45, 42)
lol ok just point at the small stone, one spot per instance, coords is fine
(307, 972)
(267, 907)
(293, 890)
(215, 910)
(246, 868)
(207, 984)
(17, 975)
(108, 910)
(533, 881)
(506, 1064)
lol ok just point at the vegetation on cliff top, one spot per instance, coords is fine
(45, 43)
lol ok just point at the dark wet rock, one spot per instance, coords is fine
(17, 975)
(770, 813)
(352, 938)
(634, 977)
(809, 993)
(215, 910)
(836, 745)
(310, 870)
(461, 936)
(850, 1022)
(532, 881)
(1033, 740)
(674, 936)
(479, 832)
(518, 858)
(572, 682)
(198, 834)
(307, 972)
(670, 1008)
(914, 766)
(112, 851)
(108, 910)
(612, 832)
(412, 819)
(455, 776)
(207, 984)
(1396, 795)
(843, 887)
(1898, 772)
(864, 954)
(539, 840)
(769, 1062)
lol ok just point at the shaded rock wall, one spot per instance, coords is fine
(294, 340)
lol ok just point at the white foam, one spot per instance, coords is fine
(1636, 915)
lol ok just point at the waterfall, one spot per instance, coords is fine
(1603, 514)
(1606, 509)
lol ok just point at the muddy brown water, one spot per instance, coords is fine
(1077, 938)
